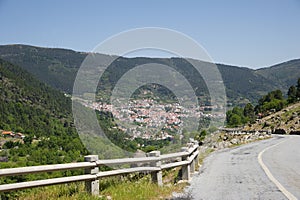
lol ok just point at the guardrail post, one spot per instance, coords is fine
(192, 166)
(192, 170)
(92, 186)
(185, 169)
(197, 157)
(156, 176)
(195, 161)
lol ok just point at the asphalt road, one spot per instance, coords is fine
(268, 169)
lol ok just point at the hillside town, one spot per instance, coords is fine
(148, 119)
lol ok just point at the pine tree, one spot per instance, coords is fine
(249, 112)
(298, 89)
(292, 94)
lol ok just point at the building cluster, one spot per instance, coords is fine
(12, 134)
(146, 118)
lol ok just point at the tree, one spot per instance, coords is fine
(292, 94)
(28, 139)
(235, 120)
(249, 112)
(236, 117)
(273, 100)
(201, 136)
(9, 145)
(277, 94)
(298, 89)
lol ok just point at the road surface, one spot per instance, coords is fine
(268, 169)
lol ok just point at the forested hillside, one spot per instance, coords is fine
(39, 112)
(58, 68)
(273, 102)
(285, 73)
(44, 116)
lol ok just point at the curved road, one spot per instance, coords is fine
(268, 169)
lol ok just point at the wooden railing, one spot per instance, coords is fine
(187, 159)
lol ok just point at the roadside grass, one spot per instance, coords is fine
(129, 187)
(71, 191)
(202, 156)
(140, 189)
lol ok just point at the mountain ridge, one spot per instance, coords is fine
(58, 67)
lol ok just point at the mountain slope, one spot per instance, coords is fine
(42, 114)
(45, 116)
(283, 75)
(244, 83)
(58, 68)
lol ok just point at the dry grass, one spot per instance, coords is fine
(120, 187)
(73, 191)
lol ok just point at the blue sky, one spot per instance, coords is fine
(254, 33)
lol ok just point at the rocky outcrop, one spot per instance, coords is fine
(223, 140)
(286, 121)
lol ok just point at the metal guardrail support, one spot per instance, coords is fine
(92, 186)
(156, 176)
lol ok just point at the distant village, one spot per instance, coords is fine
(143, 118)
(148, 119)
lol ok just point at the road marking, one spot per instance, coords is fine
(289, 195)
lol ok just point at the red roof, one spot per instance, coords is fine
(7, 132)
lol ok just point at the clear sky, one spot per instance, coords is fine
(250, 33)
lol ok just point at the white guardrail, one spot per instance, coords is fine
(186, 159)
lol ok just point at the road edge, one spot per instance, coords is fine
(289, 195)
